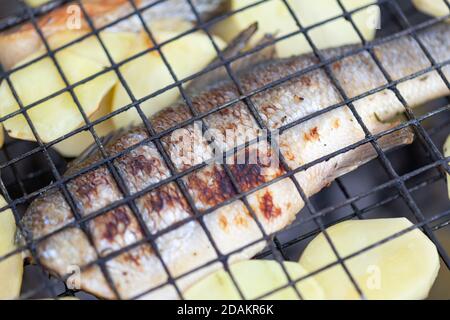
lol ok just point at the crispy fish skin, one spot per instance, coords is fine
(231, 227)
(18, 43)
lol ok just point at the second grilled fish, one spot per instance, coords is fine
(185, 247)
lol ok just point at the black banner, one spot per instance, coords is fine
(161, 310)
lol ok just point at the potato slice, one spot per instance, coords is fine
(72, 147)
(402, 268)
(59, 115)
(436, 8)
(11, 269)
(148, 73)
(255, 278)
(68, 298)
(36, 3)
(62, 298)
(118, 44)
(447, 154)
(274, 17)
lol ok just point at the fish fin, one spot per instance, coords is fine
(239, 42)
(236, 46)
(261, 55)
(367, 152)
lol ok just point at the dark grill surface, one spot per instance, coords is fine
(408, 182)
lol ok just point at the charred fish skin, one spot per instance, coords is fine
(18, 43)
(232, 227)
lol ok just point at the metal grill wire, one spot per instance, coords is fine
(276, 246)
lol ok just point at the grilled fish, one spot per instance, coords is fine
(20, 42)
(185, 246)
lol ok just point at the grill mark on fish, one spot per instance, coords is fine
(312, 134)
(210, 186)
(250, 175)
(276, 205)
(166, 196)
(223, 222)
(115, 225)
(267, 207)
(95, 186)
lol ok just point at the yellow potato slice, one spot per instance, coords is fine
(36, 3)
(148, 73)
(62, 298)
(60, 115)
(402, 268)
(274, 17)
(436, 8)
(447, 154)
(72, 147)
(118, 44)
(255, 278)
(11, 269)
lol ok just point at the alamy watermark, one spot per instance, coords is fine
(235, 145)
(373, 281)
(73, 282)
(74, 21)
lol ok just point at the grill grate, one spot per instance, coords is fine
(25, 175)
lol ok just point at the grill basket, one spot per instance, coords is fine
(407, 182)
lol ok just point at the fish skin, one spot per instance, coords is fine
(231, 226)
(19, 42)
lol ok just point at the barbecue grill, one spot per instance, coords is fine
(407, 182)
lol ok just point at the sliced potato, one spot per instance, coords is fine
(36, 3)
(62, 298)
(436, 8)
(402, 268)
(274, 17)
(148, 73)
(72, 147)
(59, 115)
(118, 44)
(255, 278)
(447, 154)
(11, 269)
